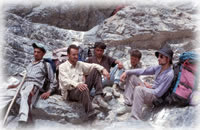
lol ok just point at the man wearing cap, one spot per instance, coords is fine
(34, 81)
(144, 93)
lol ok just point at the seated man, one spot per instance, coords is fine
(107, 62)
(135, 56)
(75, 87)
(143, 93)
(36, 75)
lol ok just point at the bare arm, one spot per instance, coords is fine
(120, 65)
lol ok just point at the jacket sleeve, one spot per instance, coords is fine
(88, 67)
(160, 88)
(142, 71)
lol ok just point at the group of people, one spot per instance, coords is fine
(77, 79)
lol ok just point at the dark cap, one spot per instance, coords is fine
(166, 51)
(40, 46)
(100, 45)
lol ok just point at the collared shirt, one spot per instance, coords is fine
(70, 76)
(128, 66)
(36, 74)
(162, 80)
(106, 61)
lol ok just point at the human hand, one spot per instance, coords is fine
(82, 87)
(45, 95)
(123, 77)
(12, 86)
(106, 74)
(147, 85)
(120, 65)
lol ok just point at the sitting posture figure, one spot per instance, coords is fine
(108, 63)
(37, 72)
(143, 93)
(77, 78)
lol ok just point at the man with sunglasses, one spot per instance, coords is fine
(142, 92)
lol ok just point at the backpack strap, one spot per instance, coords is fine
(46, 77)
(185, 85)
(45, 68)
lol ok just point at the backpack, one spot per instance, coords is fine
(52, 63)
(46, 84)
(183, 83)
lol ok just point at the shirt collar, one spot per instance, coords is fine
(70, 65)
(34, 63)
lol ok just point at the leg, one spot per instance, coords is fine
(131, 82)
(141, 96)
(117, 76)
(94, 80)
(25, 103)
(83, 97)
(112, 77)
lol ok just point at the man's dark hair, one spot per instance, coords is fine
(72, 47)
(100, 45)
(136, 53)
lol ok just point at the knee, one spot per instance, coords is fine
(138, 90)
(24, 95)
(95, 72)
(85, 93)
(132, 77)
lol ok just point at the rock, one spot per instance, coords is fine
(173, 117)
(55, 109)
(134, 27)
(66, 15)
(147, 26)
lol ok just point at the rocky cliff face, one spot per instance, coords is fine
(146, 27)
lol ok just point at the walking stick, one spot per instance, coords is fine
(13, 100)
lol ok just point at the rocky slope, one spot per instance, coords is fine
(146, 27)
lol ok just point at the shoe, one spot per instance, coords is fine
(93, 113)
(115, 93)
(95, 106)
(121, 86)
(22, 124)
(99, 100)
(123, 110)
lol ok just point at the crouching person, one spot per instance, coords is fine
(75, 86)
(143, 93)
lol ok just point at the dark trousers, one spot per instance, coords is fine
(92, 80)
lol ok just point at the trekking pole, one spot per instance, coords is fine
(13, 100)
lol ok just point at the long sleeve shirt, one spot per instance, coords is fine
(36, 74)
(106, 61)
(162, 80)
(70, 76)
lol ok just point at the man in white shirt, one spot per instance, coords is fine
(77, 78)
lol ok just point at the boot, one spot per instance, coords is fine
(99, 100)
(115, 93)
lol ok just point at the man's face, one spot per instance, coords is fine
(38, 54)
(73, 56)
(98, 52)
(162, 60)
(134, 61)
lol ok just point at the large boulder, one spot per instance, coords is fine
(147, 27)
(54, 108)
(63, 15)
